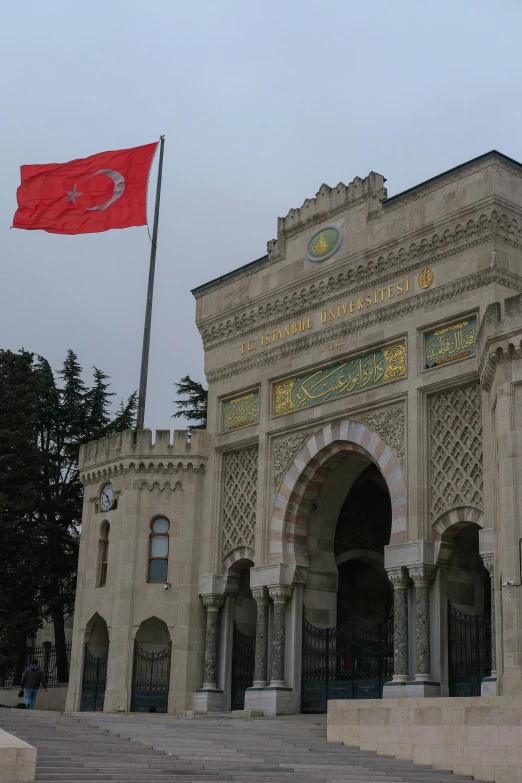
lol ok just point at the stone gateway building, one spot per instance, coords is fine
(349, 524)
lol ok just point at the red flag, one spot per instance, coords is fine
(107, 190)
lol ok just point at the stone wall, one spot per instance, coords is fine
(479, 737)
(53, 700)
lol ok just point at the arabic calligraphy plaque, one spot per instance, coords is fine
(452, 342)
(337, 380)
(241, 411)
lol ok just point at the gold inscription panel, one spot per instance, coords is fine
(241, 411)
(337, 380)
(452, 342)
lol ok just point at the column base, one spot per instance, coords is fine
(422, 689)
(208, 701)
(488, 686)
(272, 701)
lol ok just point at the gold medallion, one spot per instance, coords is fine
(426, 277)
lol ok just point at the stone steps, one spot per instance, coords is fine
(95, 747)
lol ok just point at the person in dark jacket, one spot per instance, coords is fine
(32, 678)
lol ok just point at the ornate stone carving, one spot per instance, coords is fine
(280, 594)
(394, 312)
(372, 271)
(239, 499)
(422, 576)
(456, 475)
(389, 424)
(283, 453)
(212, 603)
(399, 579)
(260, 596)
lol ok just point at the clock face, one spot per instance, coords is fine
(107, 497)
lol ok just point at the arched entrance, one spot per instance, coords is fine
(151, 670)
(238, 564)
(95, 657)
(348, 600)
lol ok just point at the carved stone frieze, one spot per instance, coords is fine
(389, 424)
(393, 312)
(361, 273)
(283, 453)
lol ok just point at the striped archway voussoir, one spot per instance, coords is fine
(288, 535)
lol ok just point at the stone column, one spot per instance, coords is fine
(488, 562)
(400, 581)
(213, 604)
(422, 577)
(279, 596)
(260, 669)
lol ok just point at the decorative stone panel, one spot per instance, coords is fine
(456, 475)
(239, 499)
(283, 452)
(390, 426)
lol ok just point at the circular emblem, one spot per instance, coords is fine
(323, 244)
(426, 277)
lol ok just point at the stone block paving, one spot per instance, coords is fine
(89, 747)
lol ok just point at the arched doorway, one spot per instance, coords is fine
(151, 669)
(469, 612)
(239, 562)
(348, 600)
(95, 657)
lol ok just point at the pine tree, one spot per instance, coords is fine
(126, 415)
(20, 601)
(194, 408)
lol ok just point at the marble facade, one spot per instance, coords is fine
(378, 336)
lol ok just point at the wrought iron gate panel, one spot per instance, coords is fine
(469, 651)
(150, 679)
(352, 661)
(243, 658)
(94, 680)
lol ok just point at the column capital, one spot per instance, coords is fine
(212, 603)
(260, 595)
(489, 563)
(280, 594)
(399, 578)
(422, 575)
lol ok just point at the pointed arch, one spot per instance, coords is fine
(299, 487)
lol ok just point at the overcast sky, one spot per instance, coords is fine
(261, 101)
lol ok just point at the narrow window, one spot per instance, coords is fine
(104, 543)
(159, 550)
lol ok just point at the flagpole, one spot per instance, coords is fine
(142, 394)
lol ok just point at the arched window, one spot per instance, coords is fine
(159, 549)
(104, 546)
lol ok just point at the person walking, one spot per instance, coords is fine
(32, 678)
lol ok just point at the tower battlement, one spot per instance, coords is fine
(329, 200)
(130, 445)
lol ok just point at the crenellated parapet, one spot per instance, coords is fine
(499, 339)
(130, 450)
(328, 201)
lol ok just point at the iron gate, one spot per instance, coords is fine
(469, 651)
(93, 681)
(352, 661)
(150, 679)
(243, 658)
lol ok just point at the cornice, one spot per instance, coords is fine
(368, 320)
(370, 270)
(497, 350)
(144, 470)
(444, 181)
